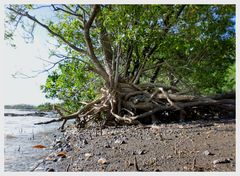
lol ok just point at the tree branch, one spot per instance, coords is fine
(88, 40)
(107, 48)
(48, 29)
(69, 11)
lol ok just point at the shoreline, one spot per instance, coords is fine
(193, 146)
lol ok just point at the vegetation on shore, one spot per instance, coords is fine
(20, 106)
(42, 107)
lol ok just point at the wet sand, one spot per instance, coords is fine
(193, 146)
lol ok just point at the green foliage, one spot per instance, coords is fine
(45, 107)
(71, 84)
(198, 48)
(230, 78)
(195, 44)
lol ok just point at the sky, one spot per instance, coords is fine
(25, 59)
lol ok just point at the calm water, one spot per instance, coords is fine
(20, 134)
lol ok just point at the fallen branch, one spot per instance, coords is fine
(51, 121)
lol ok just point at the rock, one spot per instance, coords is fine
(60, 159)
(104, 132)
(106, 145)
(119, 141)
(222, 161)
(59, 149)
(87, 155)
(58, 141)
(102, 161)
(68, 138)
(84, 141)
(206, 152)
(140, 152)
(169, 156)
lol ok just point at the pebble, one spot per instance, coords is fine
(68, 138)
(169, 156)
(88, 155)
(104, 132)
(60, 159)
(206, 152)
(106, 145)
(118, 141)
(222, 161)
(84, 141)
(102, 161)
(112, 133)
(138, 152)
(59, 149)
(58, 144)
(58, 140)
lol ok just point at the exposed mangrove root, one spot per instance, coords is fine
(131, 104)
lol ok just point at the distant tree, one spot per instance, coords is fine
(20, 106)
(45, 107)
